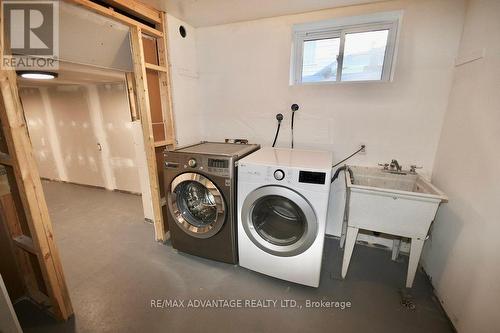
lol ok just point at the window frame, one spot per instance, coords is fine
(338, 28)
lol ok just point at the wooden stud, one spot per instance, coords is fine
(166, 83)
(5, 159)
(25, 243)
(137, 8)
(32, 197)
(164, 143)
(156, 68)
(147, 129)
(131, 96)
(8, 214)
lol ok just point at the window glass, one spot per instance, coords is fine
(364, 54)
(320, 60)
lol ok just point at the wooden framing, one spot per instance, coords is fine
(143, 104)
(24, 210)
(138, 9)
(39, 243)
(144, 100)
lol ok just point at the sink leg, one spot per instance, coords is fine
(344, 232)
(396, 244)
(415, 251)
(352, 234)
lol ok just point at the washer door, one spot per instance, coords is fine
(279, 220)
(197, 205)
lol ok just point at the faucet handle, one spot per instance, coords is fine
(385, 165)
(413, 168)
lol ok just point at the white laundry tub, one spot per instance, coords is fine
(401, 204)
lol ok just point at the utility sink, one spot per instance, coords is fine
(397, 203)
(401, 183)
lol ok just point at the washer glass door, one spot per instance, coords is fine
(279, 220)
(197, 205)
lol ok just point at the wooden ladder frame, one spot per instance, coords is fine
(53, 292)
(38, 241)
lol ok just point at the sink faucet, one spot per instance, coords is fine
(395, 165)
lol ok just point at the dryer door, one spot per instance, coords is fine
(279, 220)
(197, 205)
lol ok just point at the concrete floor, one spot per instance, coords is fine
(114, 269)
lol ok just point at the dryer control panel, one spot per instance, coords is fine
(311, 177)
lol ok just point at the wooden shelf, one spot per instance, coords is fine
(25, 242)
(163, 143)
(156, 67)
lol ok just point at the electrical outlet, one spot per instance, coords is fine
(362, 151)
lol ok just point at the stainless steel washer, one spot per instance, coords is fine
(200, 185)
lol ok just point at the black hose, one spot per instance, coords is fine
(294, 108)
(348, 157)
(279, 118)
(277, 132)
(342, 168)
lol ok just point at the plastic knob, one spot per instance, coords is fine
(192, 163)
(279, 174)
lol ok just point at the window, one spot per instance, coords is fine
(346, 49)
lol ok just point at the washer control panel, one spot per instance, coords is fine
(219, 166)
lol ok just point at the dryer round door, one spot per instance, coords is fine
(197, 205)
(279, 220)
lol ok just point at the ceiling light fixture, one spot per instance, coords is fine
(37, 75)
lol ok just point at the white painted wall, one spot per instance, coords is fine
(185, 82)
(244, 81)
(66, 122)
(463, 254)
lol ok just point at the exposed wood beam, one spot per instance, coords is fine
(5, 159)
(25, 243)
(143, 105)
(138, 9)
(166, 83)
(156, 67)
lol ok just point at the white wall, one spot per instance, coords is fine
(185, 82)
(66, 122)
(244, 81)
(463, 254)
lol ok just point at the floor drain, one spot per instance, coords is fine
(407, 301)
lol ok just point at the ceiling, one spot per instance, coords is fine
(201, 13)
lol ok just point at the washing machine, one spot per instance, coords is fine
(282, 206)
(200, 186)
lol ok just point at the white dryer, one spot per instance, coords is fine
(282, 205)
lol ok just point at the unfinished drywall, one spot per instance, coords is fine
(244, 81)
(185, 82)
(83, 134)
(462, 255)
(89, 38)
